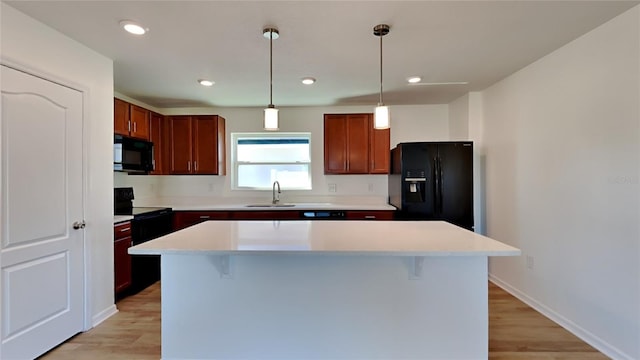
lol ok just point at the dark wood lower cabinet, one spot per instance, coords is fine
(266, 215)
(183, 219)
(121, 257)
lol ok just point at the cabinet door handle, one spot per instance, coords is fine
(129, 126)
(125, 229)
(189, 165)
(205, 217)
(370, 217)
(195, 166)
(135, 127)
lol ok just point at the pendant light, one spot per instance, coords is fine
(271, 113)
(381, 118)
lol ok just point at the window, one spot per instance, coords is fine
(259, 159)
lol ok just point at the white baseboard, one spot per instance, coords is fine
(104, 315)
(570, 326)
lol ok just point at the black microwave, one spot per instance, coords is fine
(132, 155)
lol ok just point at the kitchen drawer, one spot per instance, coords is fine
(122, 230)
(183, 219)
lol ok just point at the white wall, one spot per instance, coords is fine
(35, 47)
(409, 123)
(459, 118)
(562, 145)
(465, 123)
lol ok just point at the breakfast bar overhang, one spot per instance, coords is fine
(324, 290)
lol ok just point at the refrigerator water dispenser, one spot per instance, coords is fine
(415, 186)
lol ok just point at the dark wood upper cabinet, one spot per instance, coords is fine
(205, 145)
(139, 122)
(358, 143)
(121, 117)
(335, 144)
(379, 150)
(181, 140)
(197, 145)
(183, 144)
(352, 146)
(130, 120)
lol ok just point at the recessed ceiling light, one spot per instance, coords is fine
(205, 82)
(308, 80)
(133, 27)
(414, 79)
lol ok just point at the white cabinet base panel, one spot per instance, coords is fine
(324, 307)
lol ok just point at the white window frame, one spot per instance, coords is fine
(262, 135)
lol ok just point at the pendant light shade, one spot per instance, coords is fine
(271, 118)
(381, 116)
(271, 113)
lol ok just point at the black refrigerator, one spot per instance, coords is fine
(433, 181)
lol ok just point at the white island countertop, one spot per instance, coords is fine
(390, 238)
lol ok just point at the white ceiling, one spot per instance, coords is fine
(479, 42)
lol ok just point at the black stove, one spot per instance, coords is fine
(141, 211)
(148, 223)
(123, 204)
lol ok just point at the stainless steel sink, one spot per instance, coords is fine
(270, 205)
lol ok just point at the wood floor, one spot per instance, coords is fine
(516, 331)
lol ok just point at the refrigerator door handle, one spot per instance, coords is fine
(440, 181)
(436, 184)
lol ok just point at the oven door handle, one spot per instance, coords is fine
(152, 215)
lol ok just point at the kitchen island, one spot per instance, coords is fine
(324, 290)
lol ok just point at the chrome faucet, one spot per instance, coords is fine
(275, 199)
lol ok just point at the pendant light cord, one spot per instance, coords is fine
(381, 70)
(271, 68)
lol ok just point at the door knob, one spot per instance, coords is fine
(79, 225)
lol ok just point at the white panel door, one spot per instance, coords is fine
(41, 254)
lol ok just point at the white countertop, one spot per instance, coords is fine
(204, 203)
(396, 238)
(121, 218)
(296, 206)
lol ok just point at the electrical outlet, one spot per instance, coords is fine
(333, 188)
(530, 262)
(370, 187)
(211, 187)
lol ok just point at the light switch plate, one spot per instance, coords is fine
(333, 188)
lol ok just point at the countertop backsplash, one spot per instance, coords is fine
(204, 189)
(144, 186)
